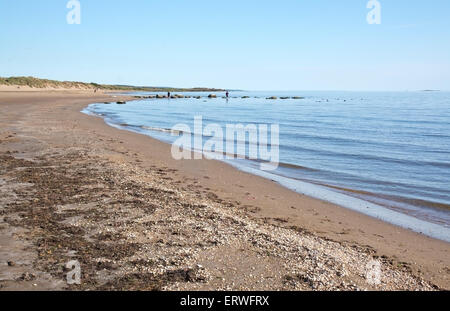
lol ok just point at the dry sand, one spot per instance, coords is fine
(72, 187)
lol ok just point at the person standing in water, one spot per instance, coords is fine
(227, 94)
(168, 94)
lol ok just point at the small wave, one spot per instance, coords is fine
(163, 130)
(371, 157)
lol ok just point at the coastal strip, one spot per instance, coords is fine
(75, 188)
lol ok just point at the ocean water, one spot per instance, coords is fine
(386, 154)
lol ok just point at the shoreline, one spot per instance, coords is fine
(262, 199)
(323, 192)
(365, 207)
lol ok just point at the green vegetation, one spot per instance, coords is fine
(44, 83)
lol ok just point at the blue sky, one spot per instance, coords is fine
(246, 44)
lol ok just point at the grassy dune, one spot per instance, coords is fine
(45, 83)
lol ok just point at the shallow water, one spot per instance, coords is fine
(392, 149)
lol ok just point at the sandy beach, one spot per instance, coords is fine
(74, 188)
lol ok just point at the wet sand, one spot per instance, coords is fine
(71, 187)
